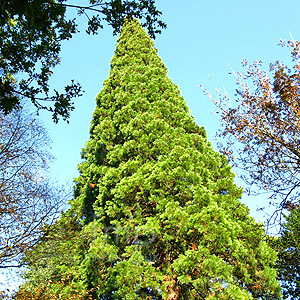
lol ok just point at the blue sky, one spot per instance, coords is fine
(202, 38)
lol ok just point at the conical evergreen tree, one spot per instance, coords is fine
(159, 212)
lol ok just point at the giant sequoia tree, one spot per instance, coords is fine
(156, 213)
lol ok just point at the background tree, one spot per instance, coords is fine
(158, 212)
(28, 201)
(288, 247)
(262, 131)
(31, 32)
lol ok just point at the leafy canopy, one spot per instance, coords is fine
(31, 32)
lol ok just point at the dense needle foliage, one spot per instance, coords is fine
(156, 213)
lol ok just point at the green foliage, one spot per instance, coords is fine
(288, 256)
(159, 206)
(31, 32)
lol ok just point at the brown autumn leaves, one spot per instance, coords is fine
(261, 129)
